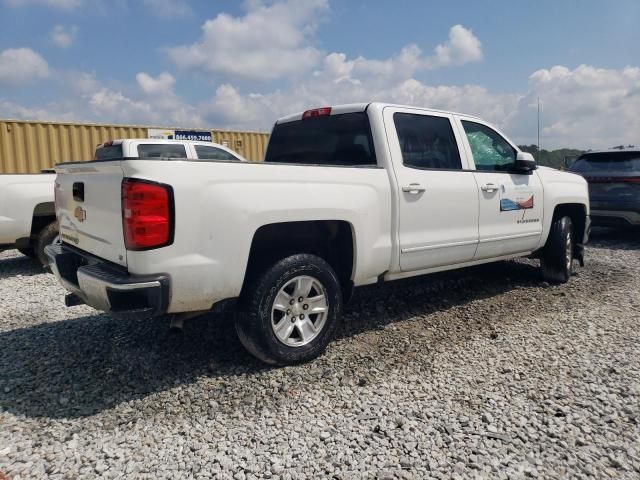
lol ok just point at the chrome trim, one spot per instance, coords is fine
(511, 237)
(440, 245)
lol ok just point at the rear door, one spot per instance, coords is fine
(88, 197)
(511, 205)
(438, 195)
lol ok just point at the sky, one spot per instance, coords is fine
(242, 65)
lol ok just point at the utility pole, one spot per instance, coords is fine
(538, 159)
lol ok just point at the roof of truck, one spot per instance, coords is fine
(361, 107)
(119, 141)
(614, 150)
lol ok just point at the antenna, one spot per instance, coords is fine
(538, 159)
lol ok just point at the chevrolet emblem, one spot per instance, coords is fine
(80, 214)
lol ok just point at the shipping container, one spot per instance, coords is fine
(30, 146)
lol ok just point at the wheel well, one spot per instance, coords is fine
(577, 212)
(331, 240)
(43, 215)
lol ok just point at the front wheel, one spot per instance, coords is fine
(289, 312)
(557, 256)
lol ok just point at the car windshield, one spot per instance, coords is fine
(607, 162)
(343, 139)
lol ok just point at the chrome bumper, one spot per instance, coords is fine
(105, 286)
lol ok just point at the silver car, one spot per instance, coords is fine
(614, 186)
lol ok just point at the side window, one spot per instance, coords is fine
(490, 151)
(213, 153)
(161, 150)
(427, 142)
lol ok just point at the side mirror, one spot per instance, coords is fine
(524, 162)
(569, 160)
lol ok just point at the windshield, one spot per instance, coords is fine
(343, 139)
(607, 162)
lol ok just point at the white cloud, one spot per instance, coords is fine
(154, 102)
(63, 36)
(269, 42)
(275, 41)
(58, 4)
(462, 47)
(587, 105)
(162, 84)
(21, 65)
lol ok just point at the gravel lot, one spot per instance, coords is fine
(484, 373)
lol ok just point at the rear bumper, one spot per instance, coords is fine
(105, 286)
(615, 218)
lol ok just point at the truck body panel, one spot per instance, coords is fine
(21, 197)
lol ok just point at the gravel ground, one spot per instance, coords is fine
(481, 373)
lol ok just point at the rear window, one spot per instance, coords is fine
(615, 162)
(109, 152)
(427, 142)
(213, 153)
(161, 151)
(343, 139)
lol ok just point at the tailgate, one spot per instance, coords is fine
(89, 208)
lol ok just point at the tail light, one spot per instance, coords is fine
(631, 180)
(316, 112)
(147, 214)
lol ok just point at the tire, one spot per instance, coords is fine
(46, 237)
(259, 318)
(557, 256)
(28, 251)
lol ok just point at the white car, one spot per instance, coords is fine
(346, 196)
(27, 213)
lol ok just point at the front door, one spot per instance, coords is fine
(511, 204)
(438, 195)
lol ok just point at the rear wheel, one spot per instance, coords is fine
(289, 312)
(47, 236)
(557, 257)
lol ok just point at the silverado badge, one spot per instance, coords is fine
(80, 214)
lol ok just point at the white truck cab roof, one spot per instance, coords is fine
(356, 107)
(164, 148)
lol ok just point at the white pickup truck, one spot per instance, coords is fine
(346, 196)
(27, 212)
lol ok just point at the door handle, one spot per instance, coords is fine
(489, 187)
(413, 188)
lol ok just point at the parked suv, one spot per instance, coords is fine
(614, 186)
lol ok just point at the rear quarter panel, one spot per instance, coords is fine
(219, 207)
